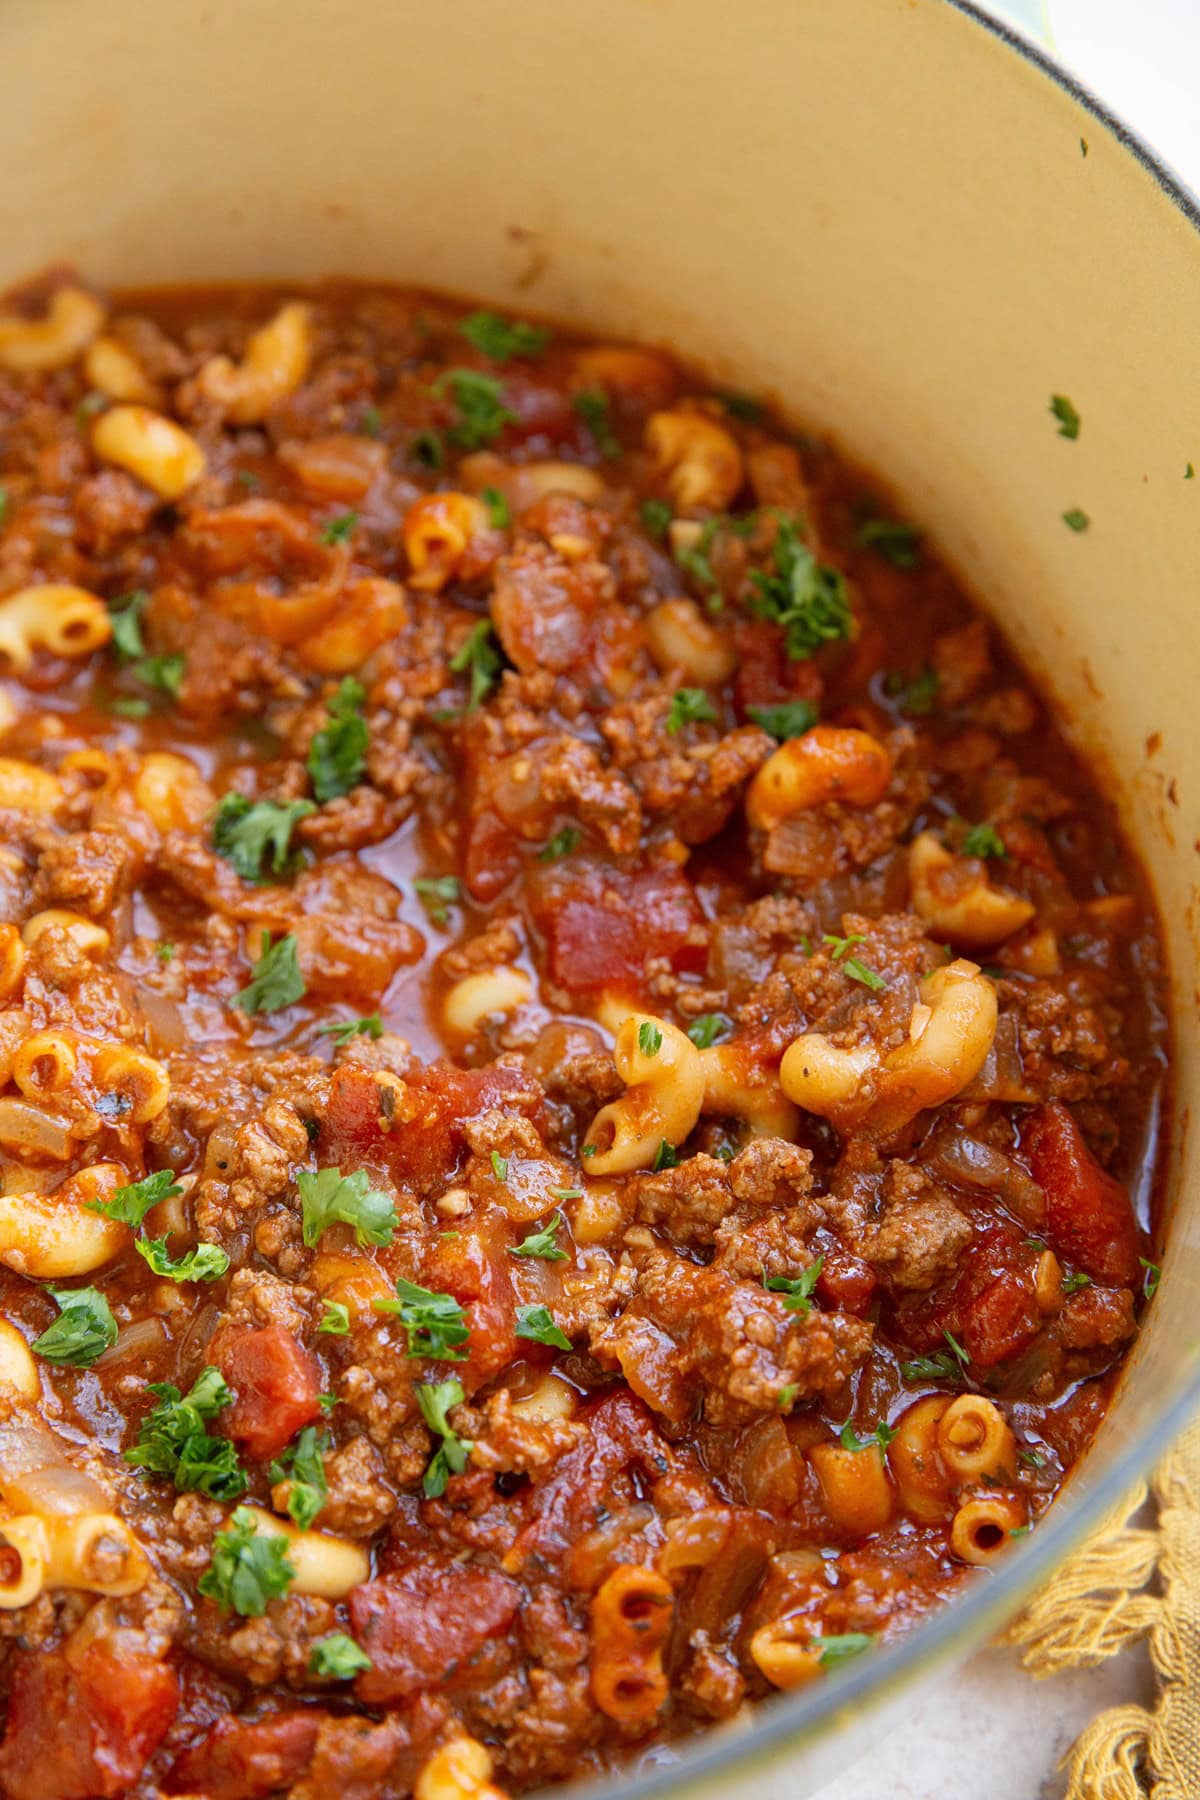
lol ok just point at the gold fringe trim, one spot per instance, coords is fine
(1097, 1605)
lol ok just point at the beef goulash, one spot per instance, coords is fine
(581, 1062)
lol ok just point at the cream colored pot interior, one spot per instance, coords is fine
(876, 211)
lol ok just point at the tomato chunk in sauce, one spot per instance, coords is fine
(576, 1051)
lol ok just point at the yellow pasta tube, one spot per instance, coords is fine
(854, 1486)
(52, 1236)
(159, 452)
(324, 1566)
(664, 1092)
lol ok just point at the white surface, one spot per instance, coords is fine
(1019, 1730)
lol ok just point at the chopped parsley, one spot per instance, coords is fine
(129, 706)
(249, 1567)
(125, 617)
(370, 1026)
(370, 421)
(3, 504)
(943, 1365)
(206, 1262)
(1073, 1283)
(805, 598)
(693, 558)
(656, 517)
(689, 706)
(327, 1197)
(1076, 518)
(562, 843)
(851, 965)
(791, 719)
(842, 1647)
(428, 449)
(174, 1439)
(499, 1166)
(129, 1205)
(787, 1395)
(339, 530)
(479, 653)
(537, 1324)
(706, 1029)
(502, 339)
(542, 1243)
(275, 980)
(163, 672)
(337, 755)
(256, 836)
(1151, 1278)
(1068, 419)
(649, 1038)
(498, 508)
(1033, 1459)
(915, 698)
(434, 1323)
(435, 1401)
(742, 406)
(83, 1330)
(337, 1657)
(165, 952)
(1189, 474)
(592, 407)
(567, 1193)
(479, 400)
(882, 1436)
(302, 1466)
(437, 893)
(896, 542)
(665, 1157)
(797, 1290)
(335, 1319)
(983, 840)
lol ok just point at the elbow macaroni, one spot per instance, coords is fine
(954, 897)
(324, 1566)
(437, 534)
(18, 1371)
(73, 317)
(52, 1236)
(460, 1770)
(698, 459)
(751, 1094)
(88, 938)
(632, 1613)
(95, 1553)
(680, 637)
(163, 456)
(855, 1488)
(664, 1093)
(488, 994)
(115, 372)
(275, 363)
(827, 763)
(54, 616)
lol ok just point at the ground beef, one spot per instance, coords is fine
(85, 873)
(897, 1219)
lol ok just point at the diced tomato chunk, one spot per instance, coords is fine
(247, 1759)
(602, 926)
(1000, 1321)
(421, 1622)
(84, 1732)
(422, 1140)
(1089, 1218)
(845, 1283)
(275, 1382)
(475, 1266)
(765, 675)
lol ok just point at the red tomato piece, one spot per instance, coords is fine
(247, 1759)
(1089, 1218)
(845, 1283)
(765, 676)
(477, 1269)
(84, 1732)
(422, 1142)
(275, 1383)
(421, 1622)
(1000, 1321)
(602, 927)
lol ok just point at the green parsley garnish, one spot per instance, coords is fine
(129, 1205)
(537, 1324)
(499, 1166)
(335, 1319)
(649, 1038)
(706, 1029)
(542, 1243)
(174, 1440)
(1073, 1283)
(83, 1330)
(561, 844)
(428, 449)
(592, 407)
(943, 1365)
(882, 1435)
(165, 952)
(656, 517)
(797, 1290)
(502, 339)
(302, 1466)
(1151, 1278)
(344, 1029)
(327, 1197)
(689, 706)
(257, 835)
(787, 1394)
(327, 1402)
(693, 558)
(370, 421)
(498, 508)
(915, 698)
(983, 840)
(249, 1567)
(435, 1401)
(339, 530)
(1033, 1459)
(125, 616)
(1068, 419)
(791, 719)
(665, 1157)
(807, 599)
(482, 414)
(840, 1648)
(129, 706)
(851, 965)
(437, 893)
(895, 542)
(337, 755)
(337, 1657)
(567, 1193)
(1076, 518)
(206, 1262)
(434, 1323)
(479, 653)
(275, 980)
